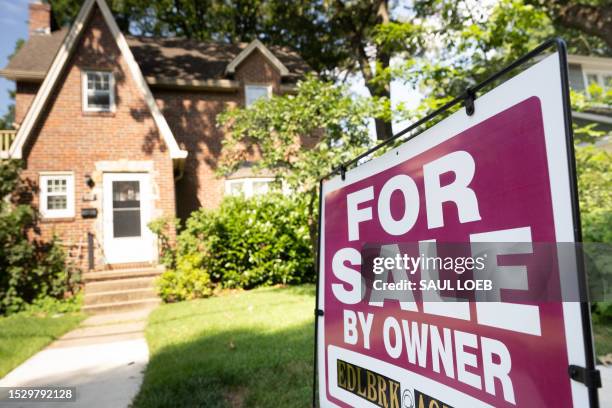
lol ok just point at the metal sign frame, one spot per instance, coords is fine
(587, 375)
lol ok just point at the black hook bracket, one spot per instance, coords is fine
(319, 312)
(470, 97)
(343, 172)
(591, 378)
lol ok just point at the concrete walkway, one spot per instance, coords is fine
(605, 392)
(104, 359)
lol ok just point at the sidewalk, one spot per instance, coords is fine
(605, 392)
(104, 359)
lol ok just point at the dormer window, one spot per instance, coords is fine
(98, 91)
(254, 92)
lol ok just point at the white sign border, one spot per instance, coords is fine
(538, 81)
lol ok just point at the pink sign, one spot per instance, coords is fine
(488, 183)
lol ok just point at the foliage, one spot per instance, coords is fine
(585, 24)
(597, 99)
(300, 137)
(595, 188)
(164, 228)
(6, 121)
(186, 281)
(284, 128)
(53, 306)
(260, 241)
(472, 41)
(30, 269)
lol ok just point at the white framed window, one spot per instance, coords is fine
(98, 91)
(249, 187)
(601, 78)
(254, 92)
(57, 195)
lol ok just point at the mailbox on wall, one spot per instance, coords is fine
(89, 212)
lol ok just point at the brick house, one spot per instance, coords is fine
(118, 130)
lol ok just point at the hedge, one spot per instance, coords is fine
(245, 243)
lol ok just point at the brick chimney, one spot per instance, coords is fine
(40, 18)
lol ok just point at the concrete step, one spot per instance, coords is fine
(122, 274)
(117, 296)
(119, 284)
(129, 305)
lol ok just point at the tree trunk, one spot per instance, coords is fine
(593, 20)
(377, 89)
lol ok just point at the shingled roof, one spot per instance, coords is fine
(193, 60)
(35, 56)
(158, 58)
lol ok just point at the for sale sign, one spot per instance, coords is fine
(429, 263)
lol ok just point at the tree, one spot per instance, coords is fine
(472, 43)
(476, 42)
(359, 37)
(301, 137)
(231, 21)
(593, 18)
(7, 120)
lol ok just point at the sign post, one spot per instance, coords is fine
(492, 183)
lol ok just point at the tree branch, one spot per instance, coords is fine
(593, 20)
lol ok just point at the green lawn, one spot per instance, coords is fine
(21, 336)
(251, 349)
(603, 338)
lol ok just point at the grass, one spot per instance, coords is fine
(250, 349)
(21, 336)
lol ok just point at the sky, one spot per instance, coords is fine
(13, 26)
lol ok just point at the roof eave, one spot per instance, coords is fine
(226, 85)
(595, 62)
(22, 75)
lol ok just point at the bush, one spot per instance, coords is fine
(31, 270)
(185, 282)
(595, 187)
(245, 243)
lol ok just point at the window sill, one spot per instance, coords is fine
(52, 220)
(104, 114)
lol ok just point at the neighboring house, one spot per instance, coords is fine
(584, 71)
(118, 130)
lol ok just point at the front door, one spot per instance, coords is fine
(127, 211)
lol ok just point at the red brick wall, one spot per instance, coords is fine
(24, 95)
(192, 118)
(69, 139)
(256, 69)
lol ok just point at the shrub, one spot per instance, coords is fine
(185, 282)
(31, 270)
(245, 243)
(595, 187)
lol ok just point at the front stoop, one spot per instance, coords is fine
(121, 290)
